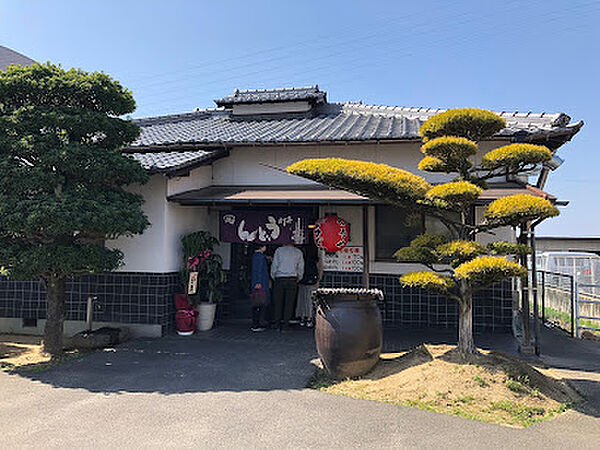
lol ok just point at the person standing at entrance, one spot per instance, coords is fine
(260, 286)
(313, 273)
(287, 270)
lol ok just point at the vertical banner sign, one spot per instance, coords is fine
(264, 227)
(193, 283)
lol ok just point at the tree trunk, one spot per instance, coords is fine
(55, 315)
(466, 344)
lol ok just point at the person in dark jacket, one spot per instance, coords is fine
(260, 286)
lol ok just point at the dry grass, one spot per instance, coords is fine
(491, 387)
(22, 352)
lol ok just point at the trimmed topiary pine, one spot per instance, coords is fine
(458, 266)
(61, 179)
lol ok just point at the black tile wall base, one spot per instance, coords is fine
(123, 297)
(492, 307)
(147, 298)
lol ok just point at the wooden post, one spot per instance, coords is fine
(365, 280)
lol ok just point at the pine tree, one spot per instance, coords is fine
(61, 179)
(459, 266)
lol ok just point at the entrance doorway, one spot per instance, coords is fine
(240, 272)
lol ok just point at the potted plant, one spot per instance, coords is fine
(205, 267)
(348, 331)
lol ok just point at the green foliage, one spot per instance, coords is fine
(508, 248)
(453, 153)
(422, 249)
(517, 209)
(378, 181)
(516, 387)
(460, 251)
(433, 164)
(516, 156)
(449, 148)
(480, 381)
(522, 414)
(430, 240)
(429, 281)
(199, 256)
(485, 270)
(51, 86)
(198, 241)
(62, 175)
(471, 123)
(28, 260)
(455, 195)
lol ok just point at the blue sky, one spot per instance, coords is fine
(534, 55)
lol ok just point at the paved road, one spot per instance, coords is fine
(230, 389)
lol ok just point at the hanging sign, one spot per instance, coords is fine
(331, 233)
(193, 283)
(264, 227)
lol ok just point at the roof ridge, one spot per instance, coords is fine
(288, 89)
(560, 118)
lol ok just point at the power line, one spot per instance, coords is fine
(443, 41)
(337, 45)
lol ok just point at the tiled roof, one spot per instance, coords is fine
(311, 93)
(8, 57)
(332, 122)
(157, 162)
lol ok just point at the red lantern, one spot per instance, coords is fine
(331, 233)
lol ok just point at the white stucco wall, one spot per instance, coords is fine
(143, 253)
(247, 165)
(158, 248)
(198, 178)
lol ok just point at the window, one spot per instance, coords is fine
(397, 227)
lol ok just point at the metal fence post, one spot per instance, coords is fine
(543, 297)
(577, 334)
(573, 294)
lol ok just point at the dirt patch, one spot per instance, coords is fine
(21, 352)
(491, 387)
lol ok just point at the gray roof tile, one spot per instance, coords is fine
(333, 122)
(157, 162)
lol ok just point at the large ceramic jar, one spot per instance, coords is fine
(348, 330)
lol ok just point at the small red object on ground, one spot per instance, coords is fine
(186, 317)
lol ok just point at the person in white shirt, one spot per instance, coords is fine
(287, 270)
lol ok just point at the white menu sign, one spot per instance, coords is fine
(348, 259)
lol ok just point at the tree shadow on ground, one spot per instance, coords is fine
(174, 365)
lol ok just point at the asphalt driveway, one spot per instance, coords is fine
(232, 389)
